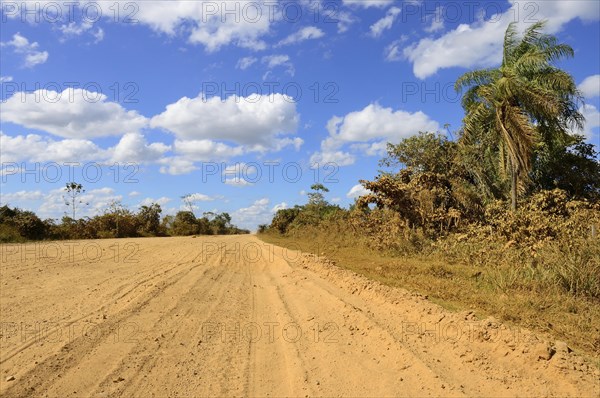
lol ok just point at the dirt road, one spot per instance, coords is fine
(232, 316)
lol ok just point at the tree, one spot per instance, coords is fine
(148, 219)
(189, 202)
(185, 224)
(424, 152)
(221, 223)
(72, 200)
(284, 218)
(570, 165)
(524, 101)
(316, 198)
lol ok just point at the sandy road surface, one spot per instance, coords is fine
(232, 316)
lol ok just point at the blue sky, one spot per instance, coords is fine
(243, 104)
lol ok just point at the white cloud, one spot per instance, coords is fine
(356, 191)
(98, 35)
(280, 60)
(368, 131)
(437, 20)
(344, 21)
(590, 86)
(592, 119)
(205, 22)
(206, 150)
(237, 182)
(176, 165)
(246, 62)
(200, 197)
(97, 200)
(393, 51)
(6, 79)
(133, 148)
(133, 194)
(16, 198)
(279, 206)
(238, 174)
(208, 22)
(74, 29)
(375, 122)
(368, 3)
(479, 44)
(74, 113)
(250, 217)
(21, 45)
(338, 158)
(35, 148)
(306, 33)
(162, 201)
(384, 23)
(248, 121)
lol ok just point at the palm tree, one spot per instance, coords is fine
(523, 102)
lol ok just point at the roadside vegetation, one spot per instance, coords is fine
(504, 219)
(17, 225)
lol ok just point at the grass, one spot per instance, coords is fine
(520, 296)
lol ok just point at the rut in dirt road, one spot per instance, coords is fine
(233, 316)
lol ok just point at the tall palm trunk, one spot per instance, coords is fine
(513, 186)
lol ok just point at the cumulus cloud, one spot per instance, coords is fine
(133, 148)
(375, 122)
(250, 217)
(206, 150)
(53, 203)
(279, 206)
(208, 23)
(238, 174)
(35, 148)
(338, 158)
(176, 165)
(357, 191)
(20, 197)
(479, 44)
(306, 33)
(590, 87)
(72, 113)
(368, 130)
(30, 51)
(384, 23)
(251, 123)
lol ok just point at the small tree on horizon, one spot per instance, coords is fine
(316, 198)
(72, 200)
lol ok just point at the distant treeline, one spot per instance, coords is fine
(17, 225)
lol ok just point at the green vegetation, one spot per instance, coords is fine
(500, 220)
(116, 221)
